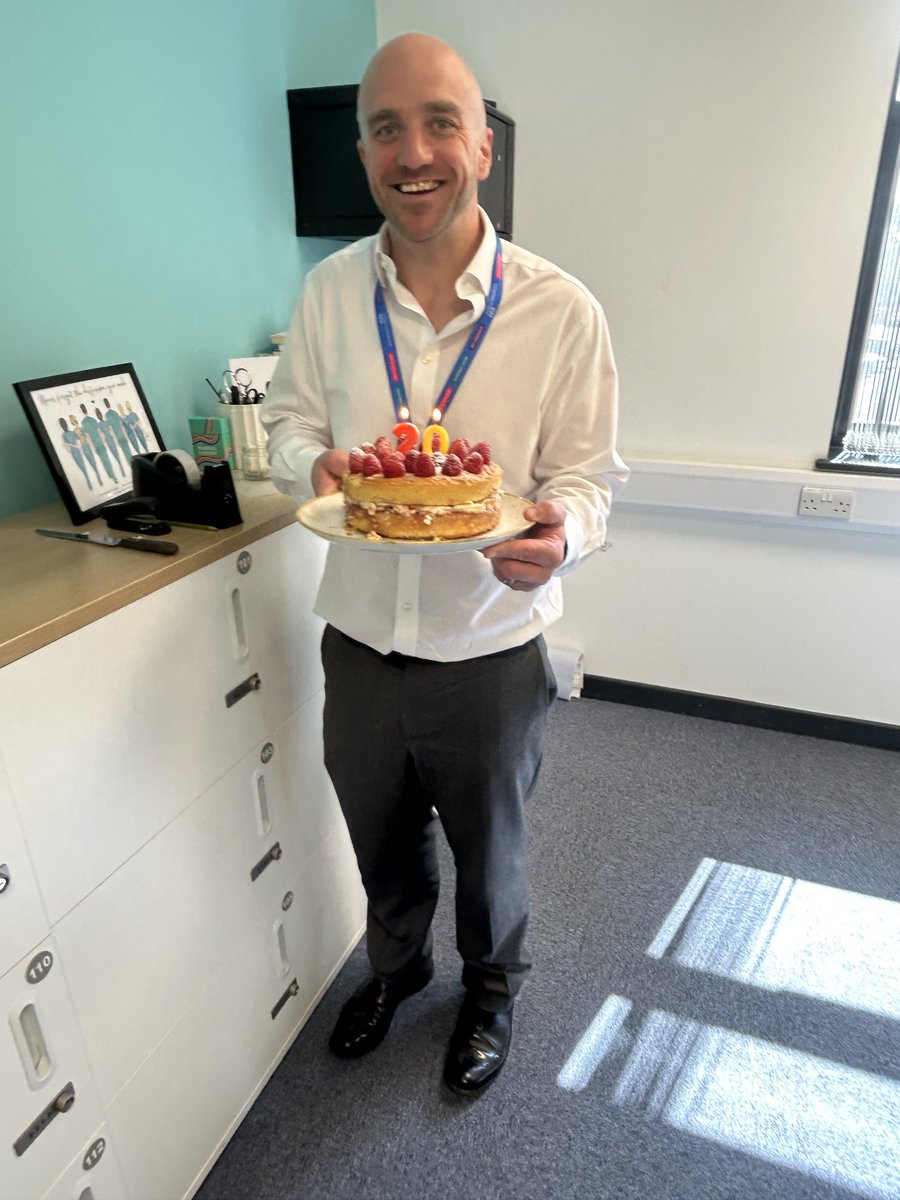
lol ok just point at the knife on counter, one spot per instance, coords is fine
(130, 543)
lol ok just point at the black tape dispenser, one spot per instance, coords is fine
(174, 488)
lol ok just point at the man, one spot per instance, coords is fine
(436, 678)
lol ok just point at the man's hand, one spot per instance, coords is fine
(327, 471)
(527, 562)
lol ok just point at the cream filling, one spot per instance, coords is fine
(489, 504)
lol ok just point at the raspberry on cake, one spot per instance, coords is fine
(434, 497)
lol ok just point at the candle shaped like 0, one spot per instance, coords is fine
(407, 436)
(435, 433)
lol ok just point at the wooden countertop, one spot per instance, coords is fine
(49, 588)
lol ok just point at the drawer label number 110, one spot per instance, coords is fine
(39, 967)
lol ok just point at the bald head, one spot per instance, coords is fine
(424, 141)
(418, 60)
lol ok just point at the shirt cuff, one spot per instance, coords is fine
(291, 471)
(574, 544)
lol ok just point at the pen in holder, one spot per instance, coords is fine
(248, 438)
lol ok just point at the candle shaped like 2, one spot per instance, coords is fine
(407, 436)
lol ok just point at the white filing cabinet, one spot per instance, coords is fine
(23, 921)
(49, 1105)
(172, 840)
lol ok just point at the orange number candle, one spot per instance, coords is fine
(407, 436)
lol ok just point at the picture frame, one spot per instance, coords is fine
(89, 425)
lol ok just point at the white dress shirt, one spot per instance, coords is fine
(541, 391)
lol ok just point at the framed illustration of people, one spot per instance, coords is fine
(90, 424)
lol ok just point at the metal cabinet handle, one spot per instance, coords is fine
(251, 684)
(60, 1103)
(272, 855)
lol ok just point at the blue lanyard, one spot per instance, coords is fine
(468, 352)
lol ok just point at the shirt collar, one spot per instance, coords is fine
(479, 272)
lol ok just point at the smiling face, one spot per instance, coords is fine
(423, 138)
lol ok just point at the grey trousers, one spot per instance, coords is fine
(405, 735)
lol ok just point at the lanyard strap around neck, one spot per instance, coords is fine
(463, 362)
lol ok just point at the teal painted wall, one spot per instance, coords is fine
(146, 207)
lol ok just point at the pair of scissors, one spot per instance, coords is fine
(239, 385)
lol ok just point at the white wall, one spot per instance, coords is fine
(743, 610)
(706, 167)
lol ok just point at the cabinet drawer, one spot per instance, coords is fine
(173, 1117)
(93, 1174)
(281, 635)
(141, 946)
(40, 1054)
(306, 787)
(110, 732)
(329, 914)
(23, 922)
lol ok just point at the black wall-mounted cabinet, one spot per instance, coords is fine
(331, 194)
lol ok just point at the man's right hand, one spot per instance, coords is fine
(327, 471)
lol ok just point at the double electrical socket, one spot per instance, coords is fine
(826, 502)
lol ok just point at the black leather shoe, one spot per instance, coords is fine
(478, 1049)
(367, 1015)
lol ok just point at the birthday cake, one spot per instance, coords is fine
(414, 494)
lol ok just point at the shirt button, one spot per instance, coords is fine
(426, 360)
(407, 607)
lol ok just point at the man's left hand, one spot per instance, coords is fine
(527, 562)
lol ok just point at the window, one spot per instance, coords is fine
(866, 434)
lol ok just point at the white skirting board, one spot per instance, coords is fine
(568, 666)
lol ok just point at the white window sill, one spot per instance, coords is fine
(760, 493)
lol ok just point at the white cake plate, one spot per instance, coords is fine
(324, 516)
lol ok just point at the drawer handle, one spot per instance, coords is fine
(4, 878)
(59, 1104)
(281, 950)
(251, 684)
(237, 619)
(33, 1047)
(263, 816)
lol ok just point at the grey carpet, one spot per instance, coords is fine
(754, 1053)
